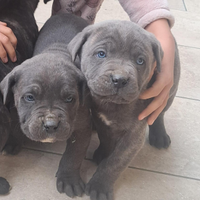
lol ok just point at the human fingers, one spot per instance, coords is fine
(157, 103)
(157, 112)
(164, 79)
(154, 90)
(6, 48)
(8, 43)
(9, 34)
(3, 23)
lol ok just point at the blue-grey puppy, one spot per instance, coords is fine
(117, 59)
(52, 99)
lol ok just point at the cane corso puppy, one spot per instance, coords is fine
(117, 59)
(52, 99)
(18, 14)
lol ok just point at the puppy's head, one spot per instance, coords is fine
(48, 90)
(117, 58)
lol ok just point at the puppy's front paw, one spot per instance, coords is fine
(159, 140)
(70, 184)
(99, 191)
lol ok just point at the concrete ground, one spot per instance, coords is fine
(172, 174)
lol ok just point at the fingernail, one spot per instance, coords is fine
(14, 59)
(140, 117)
(151, 122)
(5, 60)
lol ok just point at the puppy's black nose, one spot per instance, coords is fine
(119, 80)
(51, 123)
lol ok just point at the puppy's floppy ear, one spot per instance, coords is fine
(6, 87)
(78, 41)
(158, 52)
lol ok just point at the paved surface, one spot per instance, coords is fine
(172, 174)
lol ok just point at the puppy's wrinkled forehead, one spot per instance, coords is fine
(50, 73)
(119, 33)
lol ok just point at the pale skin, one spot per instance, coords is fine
(164, 80)
(8, 43)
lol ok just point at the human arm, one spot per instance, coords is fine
(8, 43)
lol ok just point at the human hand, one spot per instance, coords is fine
(164, 80)
(8, 43)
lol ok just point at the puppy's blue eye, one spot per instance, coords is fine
(101, 54)
(69, 100)
(29, 98)
(140, 61)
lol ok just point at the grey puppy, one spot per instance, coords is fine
(117, 59)
(51, 97)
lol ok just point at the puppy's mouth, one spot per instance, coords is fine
(53, 139)
(108, 92)
(35, 130)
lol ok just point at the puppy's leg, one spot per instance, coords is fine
(99, 154)
(104, 150)
(100, 187)
(4, 126)
(16, 136)
(14, 143)
(157, 133)
(68, 174)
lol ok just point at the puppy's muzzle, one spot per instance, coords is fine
(119, 80)
(51, 123)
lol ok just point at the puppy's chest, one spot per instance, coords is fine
(116, 117)
(106, 119)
